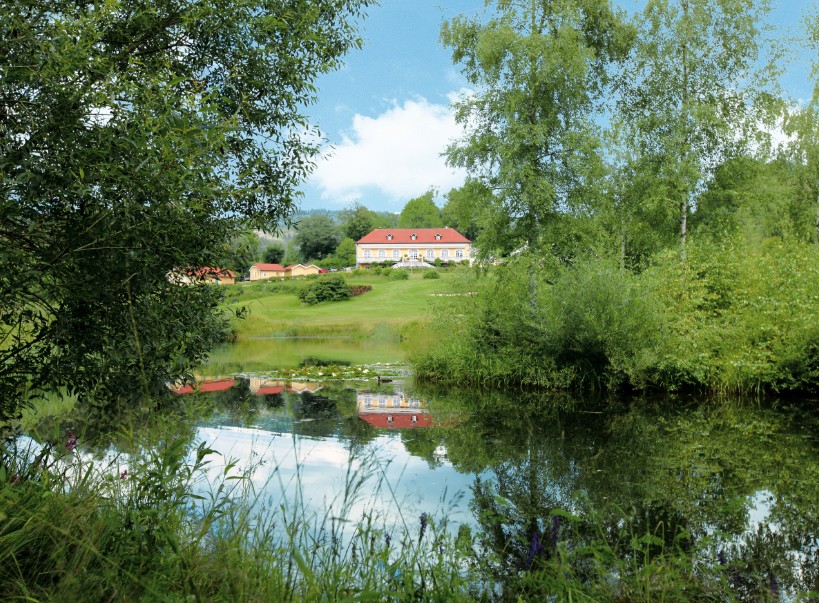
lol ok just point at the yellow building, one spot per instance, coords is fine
(424, 244)
(259, 271)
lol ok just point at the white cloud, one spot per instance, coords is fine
(398, 153)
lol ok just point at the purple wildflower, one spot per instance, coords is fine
(774, 585)
(387, 539)
(534, 549)
(423, 520)
(71, 441)
(721, 557)
(123, 475)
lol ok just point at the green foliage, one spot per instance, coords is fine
(328, 289)
(151, 134)
(399, 274)
(357, 222)
(421, 212)
(694, 92)
(540, 68)
(241, 252)
(735, 318)
(431, 274)
(273, 253)
(317, 237)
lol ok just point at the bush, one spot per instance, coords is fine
(356, 290)
(333, 288)
(432, 274)
(386, 272)
(399, 274)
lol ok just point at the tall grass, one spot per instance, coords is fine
(149, 526)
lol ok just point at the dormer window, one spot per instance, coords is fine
(389, 237)
(413, 236)
(437, 236)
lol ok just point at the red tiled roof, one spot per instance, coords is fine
(206, 386)
(270, 389)
(423, 235)
(270, 267)
(207, 271)
(399, 420)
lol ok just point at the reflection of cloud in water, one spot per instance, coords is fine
(312, 475)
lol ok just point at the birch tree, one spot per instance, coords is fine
(693, 92)
(539, 70)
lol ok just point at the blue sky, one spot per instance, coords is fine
(386, 114)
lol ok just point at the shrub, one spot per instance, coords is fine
(399, 274)
(386, 272)
(356, 290)
(333, 288)
(432, 274)
(377, 270)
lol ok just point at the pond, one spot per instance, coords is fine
(728, 490)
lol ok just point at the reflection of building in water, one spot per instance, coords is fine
(261, 386)
(392, 410)
(208, 385)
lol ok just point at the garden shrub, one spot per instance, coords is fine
(333, 288)
(386, 272)
(356, 290)
(432, 274)
(399, 274)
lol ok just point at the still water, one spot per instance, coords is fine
(737, 482)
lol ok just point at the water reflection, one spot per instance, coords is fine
(721, 498)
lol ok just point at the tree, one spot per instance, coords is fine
(464, 206)
(317, 237)
(357, 222)
(804, 126)
(421, 212)
(136, 137)
(345, 252)
(540, 68)
(693, 91)
(241, 251)
(273, 253)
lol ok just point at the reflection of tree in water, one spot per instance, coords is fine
(616, 501)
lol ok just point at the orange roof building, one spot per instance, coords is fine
(424, 244)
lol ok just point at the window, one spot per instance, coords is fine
(381, 254)
(413, 236)
(413, 254)
(382, 403)
(366, 253)
(396, 255)
(445, 254)
(430, 254)
(459, 253)
(389, 237)
(437, 236)
(389, 418)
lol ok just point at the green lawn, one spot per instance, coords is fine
(279, 331)
(390, 302)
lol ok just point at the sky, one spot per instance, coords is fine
(386, 114)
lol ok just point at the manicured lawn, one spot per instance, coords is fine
(281, 332)
(391, 302)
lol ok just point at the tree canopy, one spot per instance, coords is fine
(317, 237)
(135, 137)
(421, 212)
